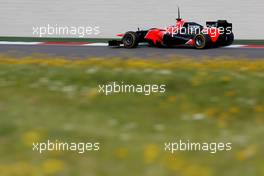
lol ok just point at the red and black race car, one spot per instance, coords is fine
(216, 33)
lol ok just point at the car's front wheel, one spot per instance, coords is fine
(130, 40)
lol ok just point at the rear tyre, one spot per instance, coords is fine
(202, 41)
(130, 40)
(228, 40)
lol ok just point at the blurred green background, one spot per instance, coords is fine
(218, 100)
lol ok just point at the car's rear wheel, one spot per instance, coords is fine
(130, 40)
(228, 40)
(202, 41)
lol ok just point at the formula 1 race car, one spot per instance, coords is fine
(216, 33)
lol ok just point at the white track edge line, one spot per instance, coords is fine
(19, 43)
(88, 44)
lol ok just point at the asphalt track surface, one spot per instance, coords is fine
(140, 52)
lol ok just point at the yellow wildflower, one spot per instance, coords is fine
(31, 137)
(52, 166)
(246, 153)
(121, 153)
(151, 152)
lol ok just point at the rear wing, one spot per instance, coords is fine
(220, 23)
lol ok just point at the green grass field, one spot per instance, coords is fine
(218, 100)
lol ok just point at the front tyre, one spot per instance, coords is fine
(130, 40)
(202, 41)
